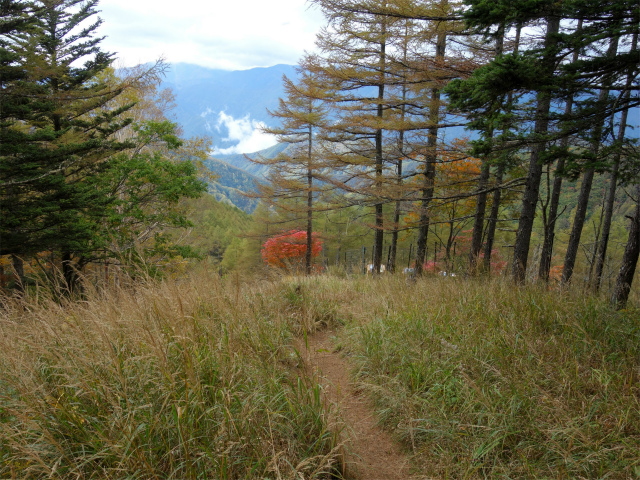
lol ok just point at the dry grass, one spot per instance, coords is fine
(482, 380)
(180, 379)
(198, 379)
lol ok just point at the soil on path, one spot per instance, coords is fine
(370, 452)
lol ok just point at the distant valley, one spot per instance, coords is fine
(228, 107)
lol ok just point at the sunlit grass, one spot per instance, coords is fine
(180, 379)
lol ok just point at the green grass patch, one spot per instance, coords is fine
(483, 380)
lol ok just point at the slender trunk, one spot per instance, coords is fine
(578, 224)
(379, 231)
(629, 260)
(396, 213)
(430, 162)
(532, 188)
(18, 268)
(69, 272)
(554, 202)
(492, 224)
(587, 181)
(485, 171)
(493, 220)
(611, 197)
(307, 257)
(550, 226)
(594, 252)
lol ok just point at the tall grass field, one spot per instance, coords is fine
(176, 380)
(200, 378)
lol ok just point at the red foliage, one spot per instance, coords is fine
(289, 248)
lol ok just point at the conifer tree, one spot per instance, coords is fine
(354, 67)
(292, 173)
(66, 184)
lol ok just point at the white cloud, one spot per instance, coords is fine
(234, 35)
(245, 132)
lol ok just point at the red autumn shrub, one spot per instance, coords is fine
(289, 249)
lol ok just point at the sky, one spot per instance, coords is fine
(224, 34)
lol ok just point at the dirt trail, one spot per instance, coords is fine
(371, 453)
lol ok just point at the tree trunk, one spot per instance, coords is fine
(578, 224)
(493, 220)
(379, 231)
(396, 213)
(307, 257)
(532, 188)
(550, 225)
(485, 171)
(554, 202)
(430, 162)
(18, 268)
(629, 260)
(587, 181)
(69, 272)
(396, 221)
(611, 197)
(492, 224)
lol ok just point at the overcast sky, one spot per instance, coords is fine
(226, 34)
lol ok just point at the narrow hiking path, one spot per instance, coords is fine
(371, 453)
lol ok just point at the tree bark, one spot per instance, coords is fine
(532, 188)
(430, 162)
(629, 260)
(493, 220)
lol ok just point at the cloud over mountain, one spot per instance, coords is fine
(244, 132)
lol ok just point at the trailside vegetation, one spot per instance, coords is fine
(91, 170)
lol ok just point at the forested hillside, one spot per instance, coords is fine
(230, 184)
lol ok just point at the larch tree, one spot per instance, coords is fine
(292, 173)
(354, 67)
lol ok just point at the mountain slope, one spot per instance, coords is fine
(202, 93)
(240, 160)
(231, 183)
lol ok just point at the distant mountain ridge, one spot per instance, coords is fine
(202, 93)
(240, 160)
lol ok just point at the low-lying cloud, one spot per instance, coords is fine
(245, 132)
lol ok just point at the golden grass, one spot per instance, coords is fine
(178, 379)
